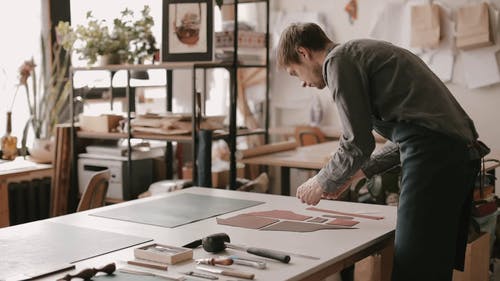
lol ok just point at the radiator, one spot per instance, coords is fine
(29, 200)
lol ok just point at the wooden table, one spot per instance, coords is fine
(15, 171)
(312, 157)
(336, 249)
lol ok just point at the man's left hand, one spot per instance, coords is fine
(310, 192)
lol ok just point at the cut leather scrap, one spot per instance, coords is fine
(298, 226)
(338, 217)
(346, 214)
(318, 220)
(280, 214)
(246, 221)
(343, 222)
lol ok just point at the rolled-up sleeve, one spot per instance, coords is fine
(382, 160)
(349, 86)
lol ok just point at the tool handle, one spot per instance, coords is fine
(238, 274)
(214, 261)
(269, 254)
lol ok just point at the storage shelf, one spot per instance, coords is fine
(227, 65)
(178, 138)
(229, 2)
(117, 67)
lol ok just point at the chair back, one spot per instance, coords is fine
(309, 135)
(94, 195)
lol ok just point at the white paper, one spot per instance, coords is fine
(390, 24)
(441, 63)
(481, 67)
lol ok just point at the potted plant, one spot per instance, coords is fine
(47, 100)
(128, 40)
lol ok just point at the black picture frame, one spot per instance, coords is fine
(187, 30)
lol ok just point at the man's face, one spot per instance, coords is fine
(308, 72)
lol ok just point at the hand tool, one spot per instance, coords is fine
(214, 261)
(224, 272)
(218, 242)
(88, 273)
(200, 275)
(147, 273)
(248, 262)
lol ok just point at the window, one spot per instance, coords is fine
(20, 27)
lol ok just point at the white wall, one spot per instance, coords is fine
(290, 102)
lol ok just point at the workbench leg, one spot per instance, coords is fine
(4, 205)
(285, 181)
(387, 258)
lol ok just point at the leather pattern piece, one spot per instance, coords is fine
(280, 214)
(318, 220)
(246, 221)
(346, 214)
(298, 226)
(343, 222)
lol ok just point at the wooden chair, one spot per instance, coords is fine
(308, 135)
(95, 193)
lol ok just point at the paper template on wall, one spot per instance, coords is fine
(392, 24)
(425, 25)
(481, 67)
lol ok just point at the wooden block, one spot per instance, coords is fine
(163, 253)
(477, 258)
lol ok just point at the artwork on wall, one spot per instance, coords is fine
(187, 30)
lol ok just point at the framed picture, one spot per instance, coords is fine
(187, 30)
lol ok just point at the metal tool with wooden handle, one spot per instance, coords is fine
(224, 272)
(218, 242)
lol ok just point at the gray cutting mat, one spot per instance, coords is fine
(33, 248)
(177, 210)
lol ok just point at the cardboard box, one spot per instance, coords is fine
(220, 179)
(477, 260)
(103, 123)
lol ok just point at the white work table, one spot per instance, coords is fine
(335, 248)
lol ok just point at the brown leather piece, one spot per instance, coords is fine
(280, 214)
(246, 221)
(298, 226)
(346, 214)
(343, 222)
(318, 220)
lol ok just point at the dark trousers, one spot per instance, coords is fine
(434, 207)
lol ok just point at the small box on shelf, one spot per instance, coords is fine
(163, 253)
(104, 123)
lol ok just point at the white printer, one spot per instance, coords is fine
(122, 186)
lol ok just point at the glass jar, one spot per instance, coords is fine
(9, 142)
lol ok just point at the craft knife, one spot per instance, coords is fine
(244, 248)
(200, 275)
(248, 262)
(225, 272)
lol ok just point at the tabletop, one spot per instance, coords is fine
(332, 247)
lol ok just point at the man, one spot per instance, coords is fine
(378, 86)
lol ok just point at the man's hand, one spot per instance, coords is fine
(310, 192)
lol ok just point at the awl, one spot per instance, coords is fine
(224, 272)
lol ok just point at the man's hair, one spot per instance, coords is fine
(307, 35)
